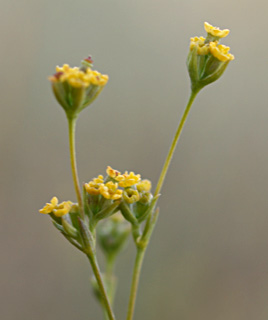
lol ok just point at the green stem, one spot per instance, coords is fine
(97, 273)
(174, 143)
(72, 123)
(110, 281)
(141, 251)
(135, 282)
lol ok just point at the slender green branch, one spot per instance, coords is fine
(72, 123)
(174, 143)
(135, 282)
(141, 251)
(97, 273)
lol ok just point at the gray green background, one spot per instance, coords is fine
(208, 258)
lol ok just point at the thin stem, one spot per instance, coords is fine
(110, 278)
(135, 282)
(97, 273)
(110, 283)
(141, 251)
(174, 143)
(72, 123)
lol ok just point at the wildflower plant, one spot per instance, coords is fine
(112, 206)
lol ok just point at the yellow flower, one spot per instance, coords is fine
(144, 185)
(112, 173)
(215, 32)
(128, 179)
(58, 209)
(220, 52)
(93, 187)
(199, 42)
(110, 190)
(78, 78)
(131, 195)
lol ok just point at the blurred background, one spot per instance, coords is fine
(208, 257)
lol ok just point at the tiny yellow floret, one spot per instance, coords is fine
(131, 195)
(93, 187)
(78, 78)
(144, 185)
(199, 42)
(58, 209)
(128, 179)
(112, 173)
(110, 190)
(220, 52)
(215, 32)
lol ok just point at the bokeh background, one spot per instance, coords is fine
(208, 257)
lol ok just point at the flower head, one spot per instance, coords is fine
(76, 88)
(207, 59)
(215, 32)
(58, 209)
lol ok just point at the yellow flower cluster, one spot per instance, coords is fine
(79, 78)
(58, 209)
(108, 190)
(124, 180)
(111, 189)
(205, 46)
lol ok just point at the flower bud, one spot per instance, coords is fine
(76, 88)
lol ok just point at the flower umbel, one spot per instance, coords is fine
(76, 88)
(207, 58)
(58, 209)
